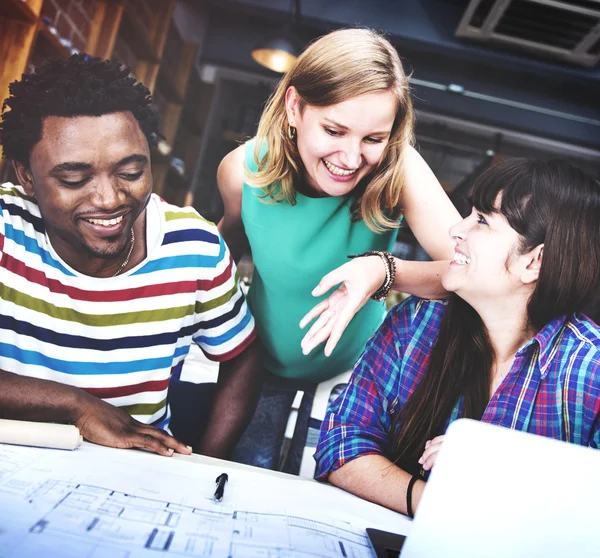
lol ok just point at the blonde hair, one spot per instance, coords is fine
(338, 66)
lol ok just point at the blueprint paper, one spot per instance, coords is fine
(98, 502)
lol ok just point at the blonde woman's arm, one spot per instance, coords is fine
(430, 214)
(230, 178)
(426, 207)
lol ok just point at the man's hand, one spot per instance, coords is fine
(24, 398)
(432, 448)
(108, 425)
(360, 278)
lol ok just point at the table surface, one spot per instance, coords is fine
(204, 460)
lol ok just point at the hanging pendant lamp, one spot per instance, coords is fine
(279, 52)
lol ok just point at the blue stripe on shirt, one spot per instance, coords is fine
(229, 334)
(32, 246)
(16, 210)
(185, 261)
(186, 235)
(34, 358)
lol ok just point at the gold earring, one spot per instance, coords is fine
(291, 131)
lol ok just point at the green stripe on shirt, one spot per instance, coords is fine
(100, 320)
(172, 215)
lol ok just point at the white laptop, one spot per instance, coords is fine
(498, 493)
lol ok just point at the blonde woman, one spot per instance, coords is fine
(330, 173)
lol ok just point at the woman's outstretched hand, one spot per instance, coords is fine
(359, 279)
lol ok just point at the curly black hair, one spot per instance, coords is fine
(78, 86)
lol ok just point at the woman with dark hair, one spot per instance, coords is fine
(510, 346)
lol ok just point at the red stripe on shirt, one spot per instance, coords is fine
(208, 284)
(234, 352)
(18, 267)
(123, 391)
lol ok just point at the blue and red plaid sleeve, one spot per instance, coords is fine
(358, 422)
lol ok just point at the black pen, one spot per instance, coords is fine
(221, 480)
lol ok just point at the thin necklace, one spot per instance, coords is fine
(126, 260)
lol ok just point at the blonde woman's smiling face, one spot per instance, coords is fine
(341, 144)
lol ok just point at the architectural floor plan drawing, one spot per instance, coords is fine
(99, 503)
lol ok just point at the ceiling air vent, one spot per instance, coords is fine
(563, 29)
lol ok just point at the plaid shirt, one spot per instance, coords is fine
(552, 389)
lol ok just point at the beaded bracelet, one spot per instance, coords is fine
(390, 273)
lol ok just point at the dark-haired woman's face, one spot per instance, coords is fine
(91, 178)
(487, 265)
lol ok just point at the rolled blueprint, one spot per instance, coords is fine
(40, 434)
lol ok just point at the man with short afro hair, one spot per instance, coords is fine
(81, 85)
(103, 285)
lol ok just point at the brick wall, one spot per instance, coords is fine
(71, 19)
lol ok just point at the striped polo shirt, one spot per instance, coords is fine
(118, 338)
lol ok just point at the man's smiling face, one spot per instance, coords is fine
(91, 178)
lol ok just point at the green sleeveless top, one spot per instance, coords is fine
(293, 247)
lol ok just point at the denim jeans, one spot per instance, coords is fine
(262, 440)
(190, 409)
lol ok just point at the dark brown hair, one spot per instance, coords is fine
(546, 202)
(78, 86)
